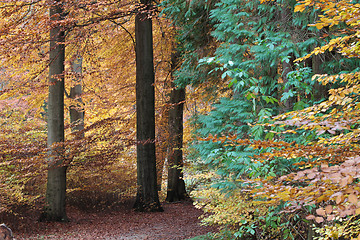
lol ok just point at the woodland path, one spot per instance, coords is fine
(178, 221)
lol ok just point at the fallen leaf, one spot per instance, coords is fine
(310, 217)
(320, 211)
(328, 209)
(353, 199)
(319, 219)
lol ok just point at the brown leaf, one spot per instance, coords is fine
(340, 199)
(349, 212)
(353, 198)
(350, 179)
(343, 182)
(311, 175)
(299, 175)
(310, 217)
(350, 191)
(325, 168)
(336, 177)
(320, 211)
(328, 209)
(319, 219)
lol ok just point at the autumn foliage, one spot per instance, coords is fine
(101, 159)
(306, 165)
(271, 123)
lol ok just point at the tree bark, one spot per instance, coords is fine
(161, 145)
(288, 67)
(77, 110)
(286, 16)
(56, 178)
(320, 91)
(147, 198)
(176, 190)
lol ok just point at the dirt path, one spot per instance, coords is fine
(178, 221)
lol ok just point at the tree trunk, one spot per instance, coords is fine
(56, 180)
(161, 145)
(147, 198)
(176, 190)
(77, 110)
(311, 233)
(286, 16)
(176, 186)
(320, 91)
(288, 67)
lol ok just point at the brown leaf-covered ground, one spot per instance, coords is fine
(178, 221)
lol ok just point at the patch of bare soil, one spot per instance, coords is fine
(178, 221)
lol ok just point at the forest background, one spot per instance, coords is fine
(271, 109)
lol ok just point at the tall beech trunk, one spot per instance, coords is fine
(176, 186)
(77, 110)
(147, 198)
(56, 179)
(176, 190)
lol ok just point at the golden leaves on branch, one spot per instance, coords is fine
(334, 188)
(347, 45)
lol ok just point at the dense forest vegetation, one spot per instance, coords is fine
(250, 108)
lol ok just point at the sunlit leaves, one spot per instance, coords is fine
(98, 32)
(347, 45)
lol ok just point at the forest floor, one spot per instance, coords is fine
(178, 221)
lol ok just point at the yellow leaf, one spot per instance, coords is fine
(319, 25)
(299, 8)
(357, 211)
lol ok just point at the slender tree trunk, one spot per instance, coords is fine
(176, 190)
(320, 91)
(176, 186)
(311, 233)
(286, 16)
(77, 110)
(56, 180)
(288, 67)
(161, 146)
(147, 198)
